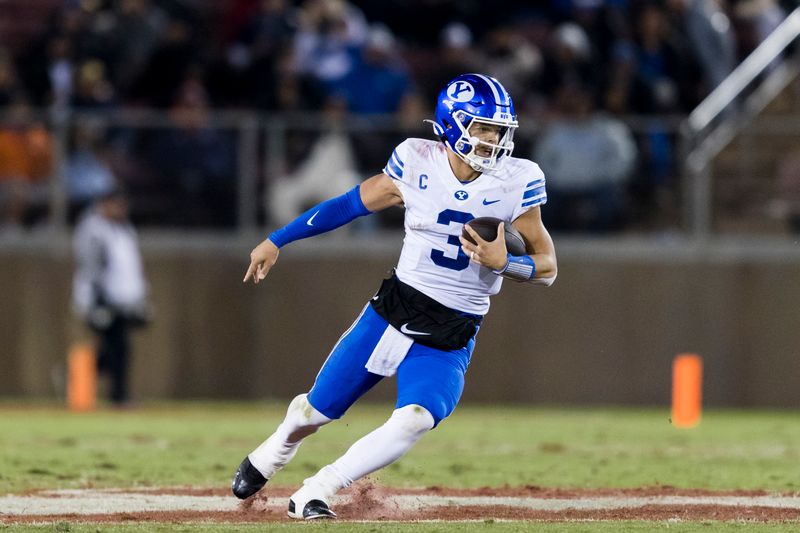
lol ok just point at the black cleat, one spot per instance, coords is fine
(247, 480)
(314, 509)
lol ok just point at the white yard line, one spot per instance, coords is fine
(85, 502)
(594, 503)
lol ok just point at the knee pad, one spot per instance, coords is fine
(302, 419)
(412, 419)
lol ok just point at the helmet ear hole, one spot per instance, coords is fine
(442, 132)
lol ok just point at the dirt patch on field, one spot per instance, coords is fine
(367, 501)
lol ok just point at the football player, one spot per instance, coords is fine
(421, 324)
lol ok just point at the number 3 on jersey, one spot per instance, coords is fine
(437, 256)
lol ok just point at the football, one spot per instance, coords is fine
(486, 227)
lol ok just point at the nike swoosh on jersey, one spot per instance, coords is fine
(487, 202)
(310, 221)
(404, 329)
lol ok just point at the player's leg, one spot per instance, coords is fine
(274, 453)
(341, 381)
(430, 383)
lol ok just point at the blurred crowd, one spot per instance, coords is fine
(575, 68)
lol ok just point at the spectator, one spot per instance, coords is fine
(665, 82)
(259, 57)
(755, 20)
(654, 73)
(93, 90)
(510, 57)
(87, 173)
(60, 71)
(568, 61)
(109, 288)
(455, 56)
(136, 27)
(326, 46)
(589, 157)
(280, 55)
(26, 157)
(9, 83)
(147, 47)
(604, 22)
(196, 162)
(168, 66)
(710, 35)
(378, 85)
(379, 82)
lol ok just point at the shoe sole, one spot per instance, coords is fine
(311, 517)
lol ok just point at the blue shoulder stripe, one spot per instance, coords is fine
(533, 192)
(541, 199)
(392, 171)
(534, 182)
(397, 160)
(398, 170)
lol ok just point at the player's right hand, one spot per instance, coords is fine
(262, 258)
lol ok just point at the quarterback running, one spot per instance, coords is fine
(422, 323)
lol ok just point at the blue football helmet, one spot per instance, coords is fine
(469, 99)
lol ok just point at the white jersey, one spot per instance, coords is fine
(437, 206)
(107, 253)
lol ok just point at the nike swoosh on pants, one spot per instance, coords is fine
(404, 329)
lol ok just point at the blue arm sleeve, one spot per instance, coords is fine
(323, 217)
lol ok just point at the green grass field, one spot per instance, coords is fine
(200, 444)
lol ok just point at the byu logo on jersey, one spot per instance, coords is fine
(461, 195)
(461, 91)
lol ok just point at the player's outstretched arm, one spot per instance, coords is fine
(375, 194)
(262, 259)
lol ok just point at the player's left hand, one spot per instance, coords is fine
(491, 254)
(262, 259)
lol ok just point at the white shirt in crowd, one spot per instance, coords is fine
(108, 262)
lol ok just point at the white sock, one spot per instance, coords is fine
(372, 452)
(301, 421)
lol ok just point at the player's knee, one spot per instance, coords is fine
(302, 418)
(414, 420)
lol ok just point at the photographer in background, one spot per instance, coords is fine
(109, 288)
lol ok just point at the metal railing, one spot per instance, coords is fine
(266, 147)
(726, 111)
(746, 73)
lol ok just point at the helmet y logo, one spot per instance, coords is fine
(461, 91)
